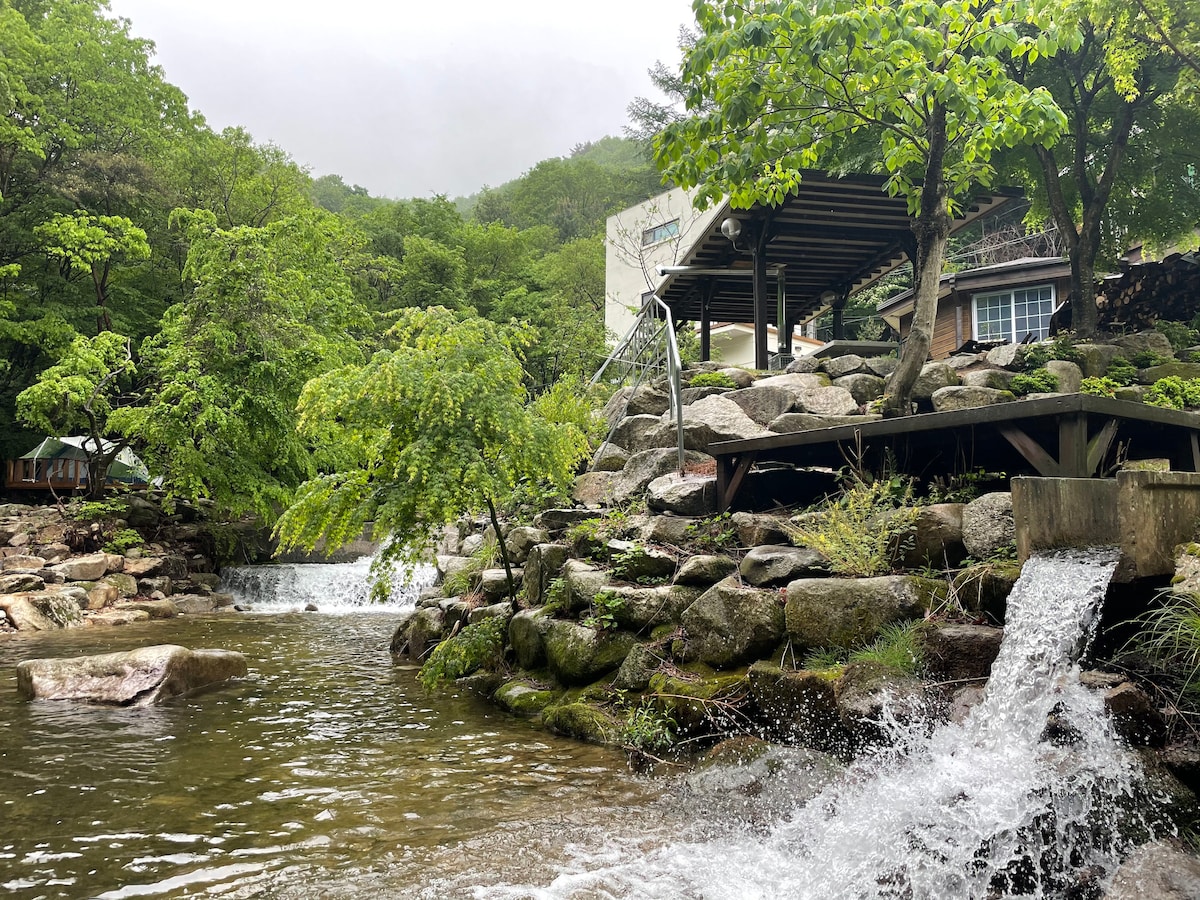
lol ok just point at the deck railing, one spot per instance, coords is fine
(648, 348)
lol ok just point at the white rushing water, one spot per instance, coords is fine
(991, 807)
(331, 587)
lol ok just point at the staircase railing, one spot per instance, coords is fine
(648, 347)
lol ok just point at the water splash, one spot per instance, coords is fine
(1000, 805)
(331, 587)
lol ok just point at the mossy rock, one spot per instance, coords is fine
(523, 699)
(578, 654)
(849, 612)
(984, 588)
(688, 700)
(799, 706)
(582, 721)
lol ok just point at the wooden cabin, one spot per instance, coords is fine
(1005, 302)
(61, 465)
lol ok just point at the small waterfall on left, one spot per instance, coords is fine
(330, 587)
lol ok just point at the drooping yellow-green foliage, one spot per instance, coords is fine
(436, 425)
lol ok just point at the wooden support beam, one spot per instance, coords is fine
(1073, 446)
(1195, 451)
(1098, 445)
(731, 472)
(1046, 465)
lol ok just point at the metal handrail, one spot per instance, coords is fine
(650, 345)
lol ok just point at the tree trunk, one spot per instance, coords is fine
(512, 588)
(931, 229)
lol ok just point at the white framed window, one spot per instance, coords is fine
(659, 233)
(1013, 314)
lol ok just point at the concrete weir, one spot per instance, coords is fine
(1146, 514)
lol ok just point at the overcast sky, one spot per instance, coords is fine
(410, 97)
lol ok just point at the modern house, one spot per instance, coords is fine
(765, 266)
(1009, 301)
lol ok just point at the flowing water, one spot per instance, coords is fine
(329, 773)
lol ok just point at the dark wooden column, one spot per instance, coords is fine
(761, 304)
(709, 288)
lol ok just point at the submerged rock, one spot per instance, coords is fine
(139, 677)
(1163, 870)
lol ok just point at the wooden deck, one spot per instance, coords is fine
(1069, 436)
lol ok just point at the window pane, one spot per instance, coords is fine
(993, 317)
(1032, 309)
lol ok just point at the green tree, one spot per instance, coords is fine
(440, 425)
(79, 393)
(1125, 167)
(271, 307)
(786, 85)
(92, 244)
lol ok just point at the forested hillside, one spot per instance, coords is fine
(176, 287)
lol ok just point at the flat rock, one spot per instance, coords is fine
(705, 569)
(848, 612)
(87, 568)
(717, 419)
(839, 366)
(803, 365)
(647, 465)
(112, 618)
(22, 562)
(689, 495)
(863, 386)
(774, 565)
(730, 625)
(830, 401)
(155, 609)
(141, 677)
(997, 379)
(963, 397)
(763, 403)
(18, 583)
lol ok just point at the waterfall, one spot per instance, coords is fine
(331, 587)
(997, 805)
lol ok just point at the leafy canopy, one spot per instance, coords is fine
(438, 425)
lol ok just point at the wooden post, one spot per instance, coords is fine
(761, 313)
(706, 321)
(1073, 445)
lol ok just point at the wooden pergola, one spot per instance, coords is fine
(782, 265)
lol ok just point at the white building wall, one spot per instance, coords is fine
(630, 265)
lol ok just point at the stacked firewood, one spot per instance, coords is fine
(1149, 292)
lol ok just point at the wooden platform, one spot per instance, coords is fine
(1069, 436)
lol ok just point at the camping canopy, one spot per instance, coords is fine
(126, 467)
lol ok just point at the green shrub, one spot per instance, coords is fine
(712, 379)
(713, 534)
(896, 647)
(859, 532)
(1039, 381)
(1145, 359)
(1179, 334)
(123, 540)
(1121, 371)
(647, 730)
(99, 510)
(475, 647)
(1174, 392)
(1099, 387)
(603, 613)
(1169, 637)
(1038, 355)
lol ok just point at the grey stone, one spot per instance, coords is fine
(141, 677)
(22, 562)
(594, 489)
(962, 397)
(988, 524)
(23, 615)
(648, 400)
(126, 585)
(455, 612)
(830, 401)
(803, 365)
(544, 564)
(863, 387)
(1163, 870)
(493, 583)
(559, 520)
(194, 604)
(583, 582)
(1185, 370)
(848, 613)
(643, 608)
(454, 568)
(717, 419)
(754, 529)
(961, 652)
(521, 540)
(739, 376)
(631, 431)
(883, 366)
(115, 618)
(160, 583)
(790, 423)
(1144, 342)
(60, 607)
(865, 690)
(838, 366)
(155, 609)
(639, 666)
(424, 632)
(689, 495)
(690, 395)
(632, 561)
(935, 538)
(609, 458)
(145, 567)
(577, 654)
(526, 634)
(667, 530)
(796, 382)
(647, 465)
(1007, 356)
(493, 611)
(996, 379)
(730, 625)
(960, 361)
(1069, 375)
(774, 565)
(934, 376)
(705, 570)
(84, 568)
(1097, 358)
(798, 706)
(16, 584)
(763, 403)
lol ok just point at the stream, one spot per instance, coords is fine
(330, 773)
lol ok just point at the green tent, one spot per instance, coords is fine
(126, 468)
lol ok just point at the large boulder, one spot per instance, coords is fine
(803, 365)
(1144, 342)
(1163, 870)
(520, 540)
(961, 652)
(840, 366)
(754, 529)
(848, 613)
(543, 564)
(730, 625)
(1069, 376)
(988, 524)
(86, 568)
(764, 404)
(139, 677)
(934, 376)
(594, 489)
(643, 608)
(526, 635)
(963, 397)
(935, 538)
(774, 565)
(19, 583)
(717, 419)
(790, 423)
(687, 495)
(577, 654)
(984, 588)
(829, 401)
(645, 466)
(996, 379)
(21, 562)
(23, 615)
(863, 386)
(631, 431)
(632, 561)
(609, 458)
(705, 570)
(870, 695)
(582, 582)
(796, 382)
(798, 706)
